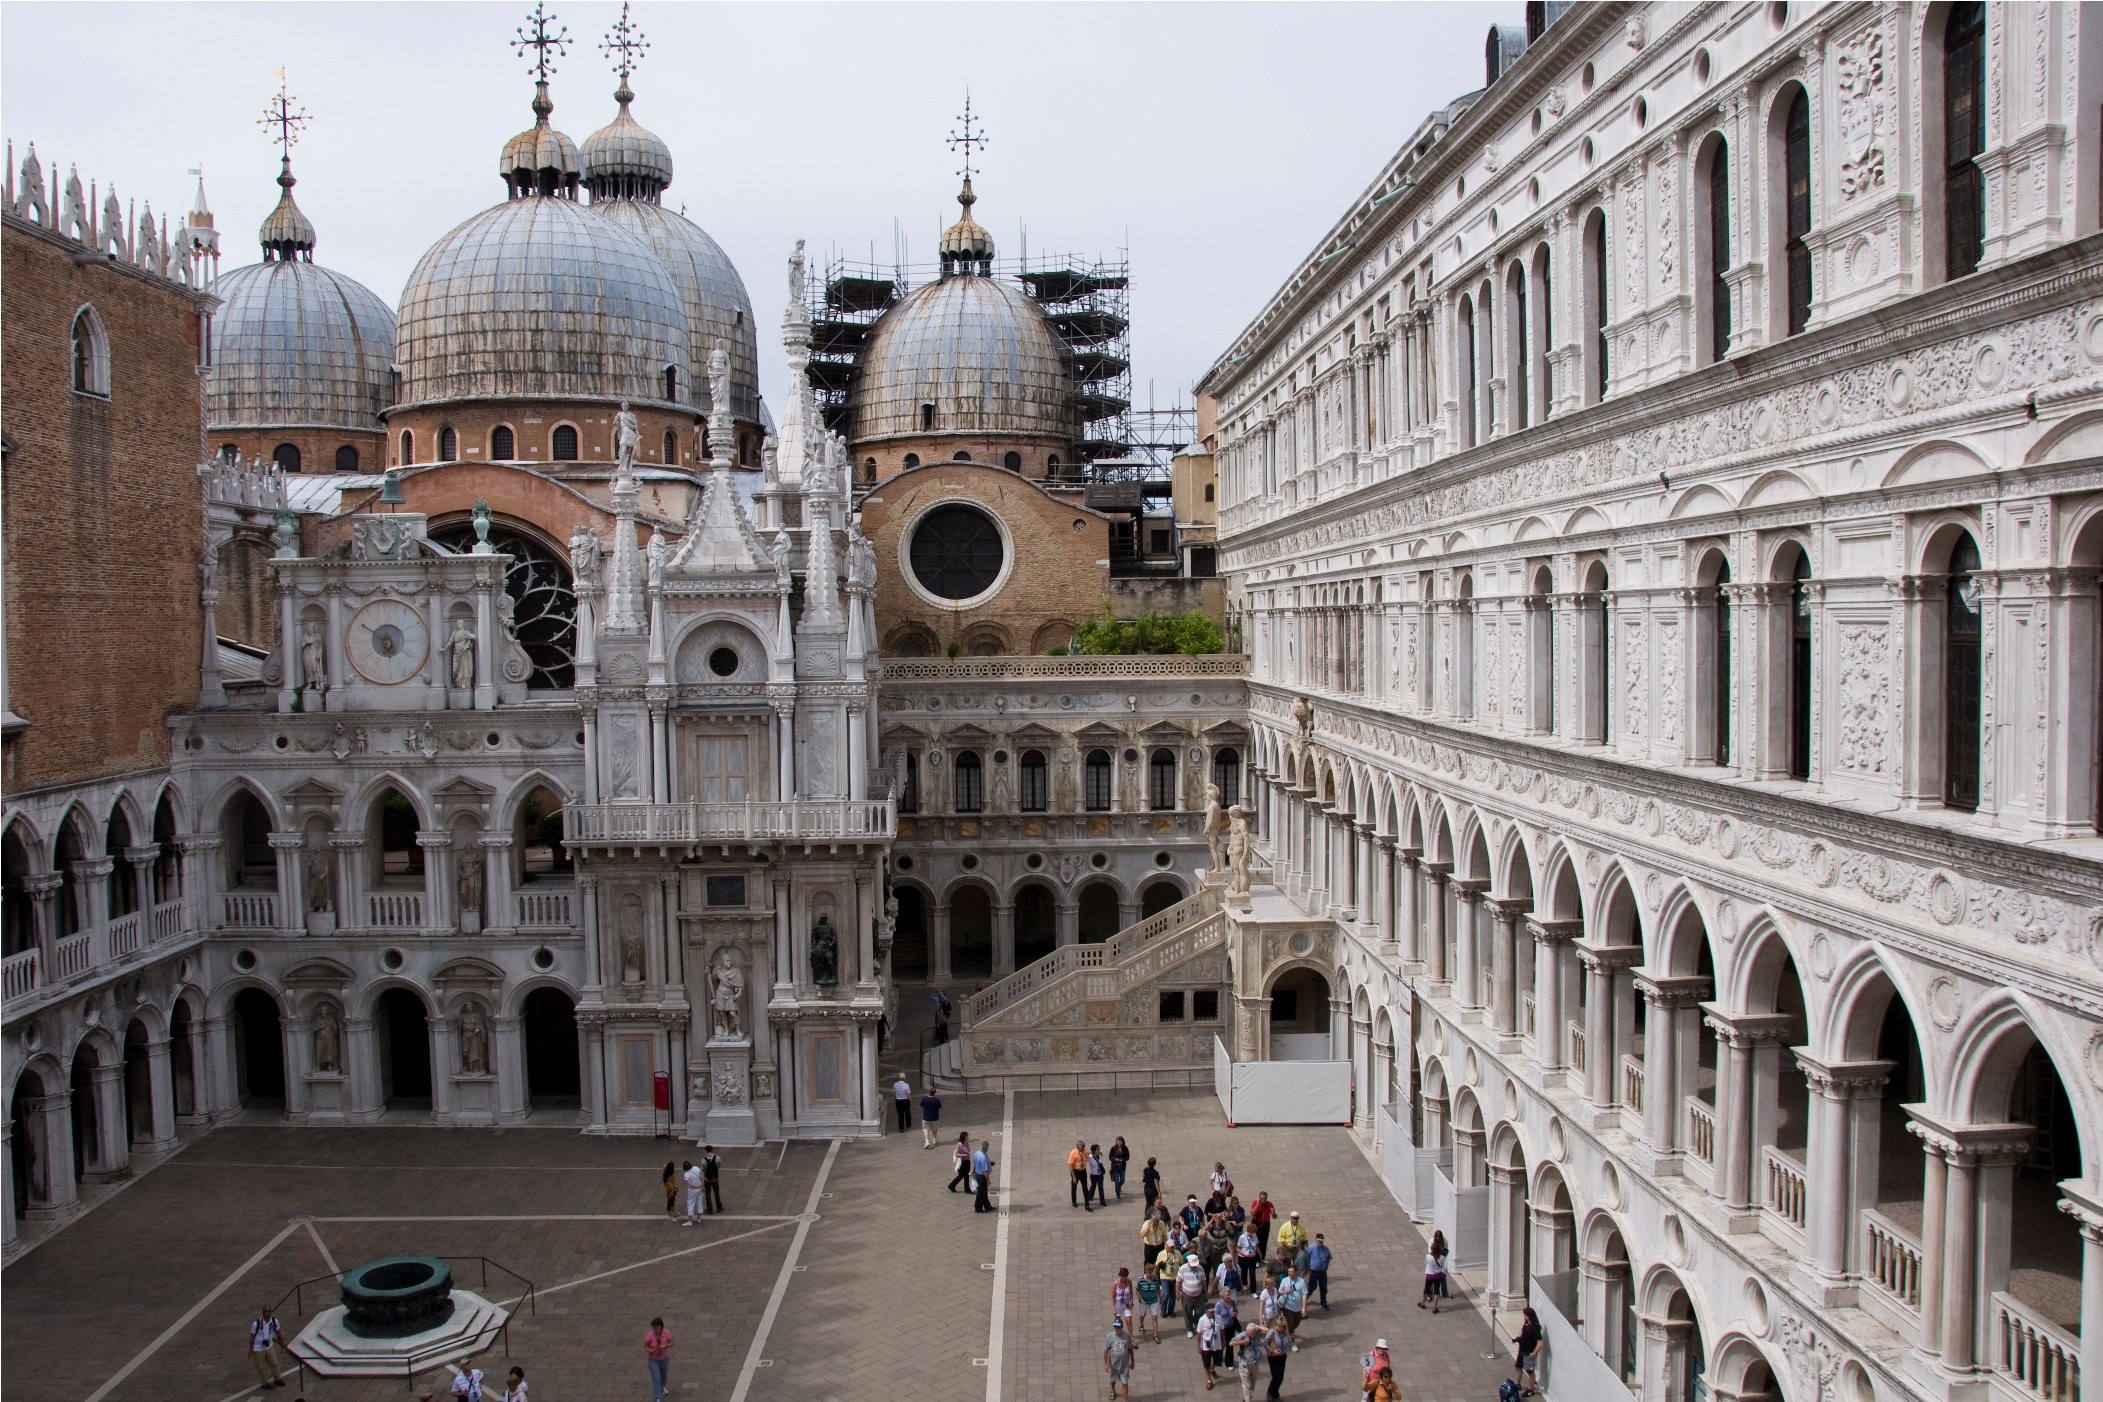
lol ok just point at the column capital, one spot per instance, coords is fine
(1470, 888)
(43, 883)
(1670, 990)
(140, 855)
(1844, 1080)
(433, 837)
(495, 842)
(1435, 872)
(1607, 958)
(1507, 909)
(95, 868)
(2079, 1203)
(1554, 932)
(1969, 1146)
(287, 841)
(1747, 1029)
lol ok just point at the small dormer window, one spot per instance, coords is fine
(671, 383)
(671, 443)
(408, 448)
(346, 458)
(927, 418)
(503, 444)
(286, 456)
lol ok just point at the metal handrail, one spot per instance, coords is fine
(410, 1364)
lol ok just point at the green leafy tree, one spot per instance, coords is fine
(1153, 633)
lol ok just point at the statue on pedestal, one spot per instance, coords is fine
(625, 438)
(328, 1035)
(313, 663)
(474, 1040)
(460, 649)
(726, 997)
(467, 883)
(319, 898)
(1238, 845)
(1215, 831)
(825, 954)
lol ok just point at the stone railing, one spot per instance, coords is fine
(73, 955)
(21, 973)
(955, 669)
(1577, 1049)
(92, 951)
(1701, 1130)
(394, 910)
(1071, 958)
(545, 908)
(1783, 1186)
(1632, 1083)
(251, 910)
(167, 921)
(125, 934)
(669, 824)
(1526, 1020)
(1892, 1262)
(2040, 1360)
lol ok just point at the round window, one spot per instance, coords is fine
(723, 661)
(957, 552)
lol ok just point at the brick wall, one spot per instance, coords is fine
(103, 516)
(317, 446)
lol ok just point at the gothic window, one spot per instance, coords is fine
(394, 831)
(1796, 209)
(1799, 671)
(448, 444)
(1541, 334)
(1963, 138)
(1464, 646)
(167, 864)
(1596, 617)
(18, 928)
(346, 459)
(1719, 250)
(122, 885)
(1161, 780)
(1226, 775)
(286, 456)
(538, 839)
(503, 446)
(563, 444)
(671, 446)
(1096, 781)
(543, 601)
(1033, 791)
(956, 552)
(1540, 618)
(91, 353)
(909, 791)
(1471, 428)
(1515, 319)
(408, 448)
(1962, 683)
(968, 775)
(1595, 295)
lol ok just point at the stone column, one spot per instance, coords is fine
(592, 1052)
(445, 1062)
(1384, 907)
(1740, 1038)
(109, 1158)
(160, 1099)
(1409, 908)
(1504, 970)
(865, 931)
(1068, 919)
(938, 938)
(61, 1189)
(1668, 1046)
(141, 860)
(1550, 938)
(1433, 943)
(353, 911)
(508, 1058)
(1840, 1180)
(439, 916)
(1003, 939)
(1467, 940)
(499, 901)
(1508, 1224)
(1599, 969)
(1968, 1153)
(588, 926)
(1365, 895)
(1364, 1094)
(784, 940)
(290, 850)
(2087, 1212)
(44, 890)
(361, 1070)
(219, 1070)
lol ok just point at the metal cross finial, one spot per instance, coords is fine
(283, 113)
(970, 140)
(537, 35)
(625, 39)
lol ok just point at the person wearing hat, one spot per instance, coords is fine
(1190, 1293)
(1376, 1363)
(1293, 1235)
(1117, 1356)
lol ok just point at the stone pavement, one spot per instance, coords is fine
(891, 1292)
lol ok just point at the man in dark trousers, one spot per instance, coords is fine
(711, 1181)
(982, 1171)
(902, 1100)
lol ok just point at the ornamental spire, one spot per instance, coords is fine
(549, 41)
(286, 233)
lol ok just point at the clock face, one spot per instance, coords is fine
(386, 642)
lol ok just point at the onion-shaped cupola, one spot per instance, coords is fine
(966, 246)
(287, 233)
(541, 160)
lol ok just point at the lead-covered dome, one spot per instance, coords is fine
(540, 298)
(977, 349)
(294, 344)
(713, 295)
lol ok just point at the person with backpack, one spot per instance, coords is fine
(711, 1181)
(1525, 1380)
(263, 1334)
(1434, 1273)
(1249, 1350)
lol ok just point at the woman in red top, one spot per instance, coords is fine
(657, 1349)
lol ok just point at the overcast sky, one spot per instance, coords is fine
(1217, 142)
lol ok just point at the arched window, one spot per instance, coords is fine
(448, 444)
(1720, 671)
(1799, 671)
(562, 444)
(1096, 782)
(1540, 619)
(869, 471)
(1796, 211)
(1464, 646)
(1597, 612)
(671, 447)
(1033, 789)
(286, 456)
(1541, 336)
(968, 775)
(912, 460)
(251, 865)
(91, 353)
(1595, 295)
(503, 447)
(122, 884)
(229, 452)
(1051, 465)
(909, 790)
(1012, 462)
(1962, 683)
(542, 594)
(401, 857)
(18, 920)
(963, 457)
(671, 383)
(1209, 491)
(1718, 193)
(1161, 780)
(1471, 427)
(1226, 775)
(1520, 329)
(1963, 138)
(408, 449)
(541, 855)
(346, 459)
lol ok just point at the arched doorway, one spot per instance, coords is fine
(548, 1027)
(1158, 896)
(909, 937)
(402, 1027)
(259, 1048)
(182, 1067)
(138, 1084)
(1098, 912)
(87, 1133)
(1678, 1357)
(970, 932)
(27, 1156)
(1036, 924)
(1299, 1016)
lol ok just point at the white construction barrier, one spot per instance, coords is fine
(1281, 1092)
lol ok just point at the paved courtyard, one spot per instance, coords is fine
(841, 1272)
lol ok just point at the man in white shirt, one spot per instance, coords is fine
(692, 1178)
(263, 1333)
(902, 1100)
(1190, 1293)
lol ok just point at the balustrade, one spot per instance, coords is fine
(1892, 1261)
(1701, 1130)
(1577, 1049)
(2039, 1359)
(251, 910)
(167, 921)
(1632, 1083)
(125, 932)
(795, 819)
(395, 910)
(1526, 1013)
(545, 909)
(21, 973)
(1785, 1188)
(73, 956)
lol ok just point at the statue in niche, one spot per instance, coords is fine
(460, 649)
(1238, 845)
(654, 557)
(1001, 792)
(625, 438)
(887, 928)
(584, 555)
(1062, 783)
(328, 1038)
(319, 898)
(467, 883)
(726, 997)
(313, 659)
(631, 940)
(1215, 832)
(825, 954)
(474, 1040)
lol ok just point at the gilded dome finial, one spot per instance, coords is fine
(541, 161)
(966, 246)
(626, 45)
(286, 233)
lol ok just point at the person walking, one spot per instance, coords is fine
(1292, 1303)
(1226, 1277)
(1149, 1291)
(1122, 1295)
(515, 1385)
(671, 1188)
(1153, 1235)
(930, 1117)
(1374, 1363)
(1120, 1160)
(1118, 1355)
(691, 1176)
(1526, 1361)
(711, 1181)
(1318, 1258)
(1229, 1316)
(1190, 1293)
(657, 1352)
(1384, 1388)
(1292, 1236)
(1095, 1177)
(1077, 1171)
(1249, 1351)
(1261, 1213)
(1211, 1344)
(1249, 1256)
(467, 1383)
(1193, 1216)
(1150, 1182)
(1434, 1273)
(264, 1331)
(902, 1103)
(982, 1172)
(1277, 1348)
(961, 1153)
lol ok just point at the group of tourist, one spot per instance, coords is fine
(703, 1183)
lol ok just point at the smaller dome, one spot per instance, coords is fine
(966, 246)
(295, 344)
(540, 159)
(286, 232)
(624, 159)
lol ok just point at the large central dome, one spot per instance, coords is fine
(978, 350)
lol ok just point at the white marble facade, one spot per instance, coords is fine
(1701, 768)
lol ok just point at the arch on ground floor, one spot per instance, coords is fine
(401, 1032)
(1100, 901)
(1297, 1026)
(911, 954)
(548, 1046)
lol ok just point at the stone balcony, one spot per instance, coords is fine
(666, 826)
